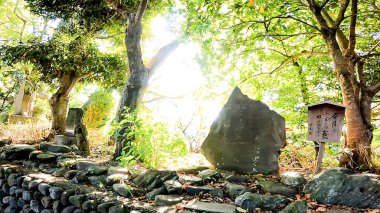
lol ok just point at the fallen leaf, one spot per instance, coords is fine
(179, 207)
(185, 186)
(307, 196)
(212, 167)
(298, 196)
(321, 209)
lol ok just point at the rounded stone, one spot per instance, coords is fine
(55, 192)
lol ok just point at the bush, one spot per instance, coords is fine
(97, 109)
(150, 143)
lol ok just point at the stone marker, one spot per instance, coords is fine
(74, 117)
(246, 137)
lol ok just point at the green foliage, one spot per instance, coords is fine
(274, 51)
(150, 143)
(53, 58)
(97, 109)
(10, 81)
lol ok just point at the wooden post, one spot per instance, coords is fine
(320, 157)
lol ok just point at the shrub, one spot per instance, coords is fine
(97, 109)
(151, 143)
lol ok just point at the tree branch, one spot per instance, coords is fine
(352, 37)
(373, 89)
(341, 13)
(140, 12)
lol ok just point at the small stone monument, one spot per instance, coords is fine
(74, 117)
(246, 137)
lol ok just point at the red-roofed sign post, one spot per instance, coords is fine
(325, 121)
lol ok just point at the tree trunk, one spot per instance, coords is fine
(59, 102)
(139, 74)
(355, 97)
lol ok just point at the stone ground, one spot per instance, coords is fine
(51, 178)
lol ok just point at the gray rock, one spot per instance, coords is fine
(159, 191)
(103, 208)
(80, 177)
(44, 188)
(97, 170)
(153, 179)
(12, 190)
(37, 195)
(46, 158)
(74, 117)
(33, 155)
(251, 201)
(117, 170)
(97, 181)
(55, 192)
(117, 178)
(190, 180)
(84, 164)
(71, 174)
(297, 206)
(68, 163)
(64, 140)
(209, 175)
(60, 172)
(339, 187)
(77, 200)
(117, 209)
(234, 190)
(277, 188)
(167, 200)
(90, 205)
(69, 209)
(47, 202)
(33, 185)
(57, 206)
(196, 190)
(246, 137)
(217, 192)
(21, 203)
(11, 180)
(294, 179)
(173, 186)
(11, 209)
(66, 195)
(47, 211)
(16, 152)
(199, 206)
(5, 187)
(236, 179)
(26, 195)
(55, 148)
(126, 190)
(36, 206)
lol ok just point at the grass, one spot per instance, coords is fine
(297, 155)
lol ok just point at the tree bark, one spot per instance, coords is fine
(357, 95)
(59, 101)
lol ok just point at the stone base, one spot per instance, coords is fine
(64, 140)
(15, 119)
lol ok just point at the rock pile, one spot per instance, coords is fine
(52, 181)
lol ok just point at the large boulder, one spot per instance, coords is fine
(340, 187)
(16, 152)
(246, 137)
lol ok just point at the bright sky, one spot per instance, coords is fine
(179, 77)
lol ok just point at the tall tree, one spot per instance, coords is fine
(98, 12)
(66, 63)
(344, 30)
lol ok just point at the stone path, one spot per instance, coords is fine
(54, 179)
